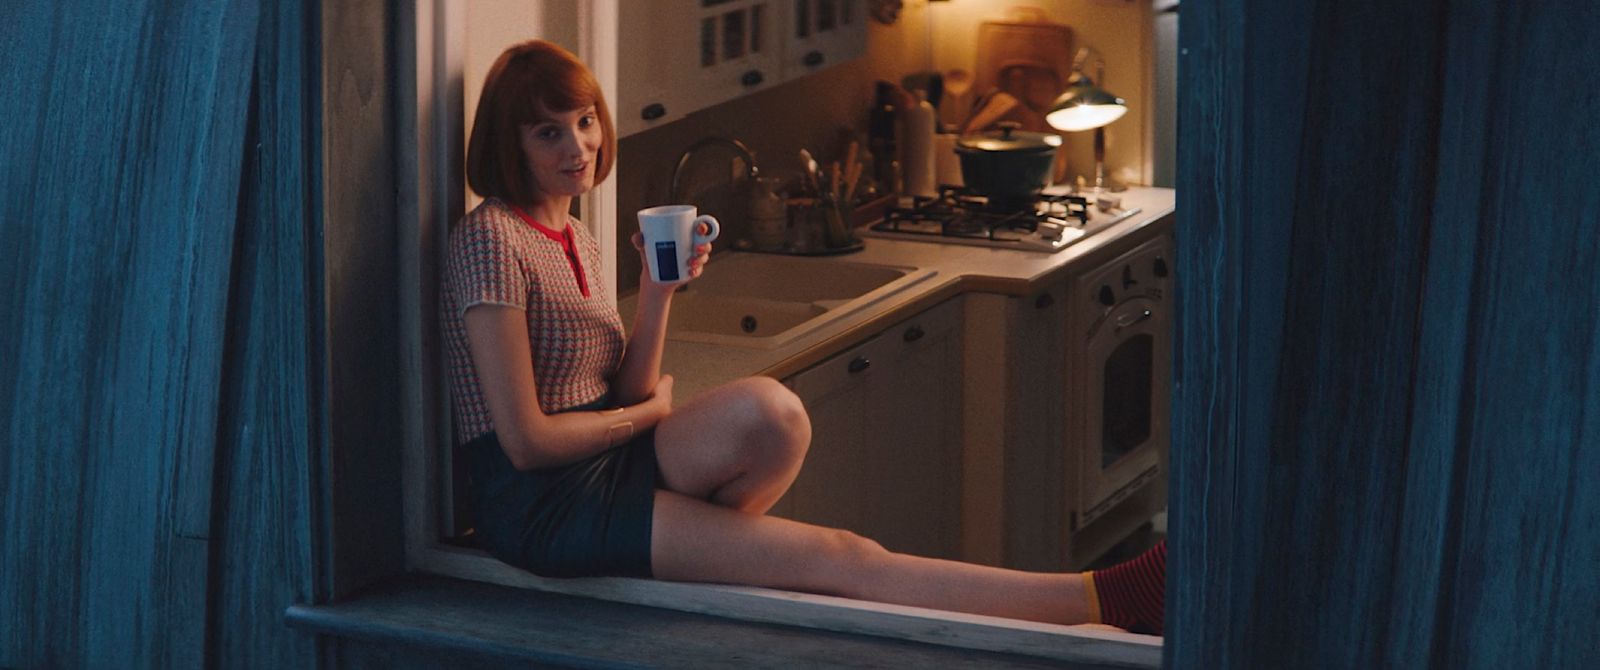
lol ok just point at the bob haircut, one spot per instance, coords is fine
(527, 82)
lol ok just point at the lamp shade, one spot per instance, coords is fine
(1084, 106)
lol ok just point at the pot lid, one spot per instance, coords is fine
(1009, 139)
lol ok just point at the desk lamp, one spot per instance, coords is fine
(1084, 106)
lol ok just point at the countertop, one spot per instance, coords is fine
(958, 269)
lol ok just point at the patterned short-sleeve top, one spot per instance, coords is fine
(499, 256)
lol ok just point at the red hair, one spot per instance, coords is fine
(526, 83)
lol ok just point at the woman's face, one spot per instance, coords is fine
(561, 151)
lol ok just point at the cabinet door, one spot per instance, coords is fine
(656, 53)
(821, 33)
(835, 482)
(914, 424)
(885, 447)
(680, 56)
(1036, 344)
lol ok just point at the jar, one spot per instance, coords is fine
(767, 213)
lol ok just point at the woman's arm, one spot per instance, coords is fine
(641, 359)
(497, 337)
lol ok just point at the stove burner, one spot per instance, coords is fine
(960, 212)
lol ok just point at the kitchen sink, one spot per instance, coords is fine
(764, 301)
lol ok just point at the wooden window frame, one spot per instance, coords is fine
(430, 153)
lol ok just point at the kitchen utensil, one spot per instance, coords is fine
(833, 180)
(994, 106)
(809, 164)
(852, 174)
(1024, 35)
(956, 105)
(1008, 165)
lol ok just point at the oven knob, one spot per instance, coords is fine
(1107, 298)
(1160, 267)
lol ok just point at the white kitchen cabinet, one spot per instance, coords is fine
(822, 33)
(885, 458)
(679, 56)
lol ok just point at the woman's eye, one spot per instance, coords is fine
(586, 121)
(548, 133)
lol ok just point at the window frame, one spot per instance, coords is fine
(430, 157)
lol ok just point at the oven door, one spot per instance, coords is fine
(1127, 365)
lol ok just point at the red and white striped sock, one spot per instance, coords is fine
(1132, 595)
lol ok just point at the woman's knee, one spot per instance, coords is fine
(773, 411)
(847, 551)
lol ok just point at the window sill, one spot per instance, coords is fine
(521, 625)
(962, 633)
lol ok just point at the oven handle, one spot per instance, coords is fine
(1128, 320)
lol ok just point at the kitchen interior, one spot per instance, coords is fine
(973, 303)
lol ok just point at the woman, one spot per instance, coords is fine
(580, 463)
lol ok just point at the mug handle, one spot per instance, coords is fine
(713, 229)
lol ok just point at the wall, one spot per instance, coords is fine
(776, 123)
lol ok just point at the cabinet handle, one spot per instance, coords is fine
(914, 333)
(812, 59)
(860, 363)
(653, 111)
(751, 78)
(1044, 300)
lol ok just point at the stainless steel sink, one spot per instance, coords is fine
(764, 301)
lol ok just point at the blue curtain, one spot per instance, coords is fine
(1386, 443)
(154, 256)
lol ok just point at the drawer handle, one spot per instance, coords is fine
(751, 78)
(812, 59)
(653, 111)
(1043, 301)
(914, 333)
(860, 363)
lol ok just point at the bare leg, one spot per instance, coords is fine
(695, 541)
(739, 445)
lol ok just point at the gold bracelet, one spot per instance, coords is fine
(619, 433)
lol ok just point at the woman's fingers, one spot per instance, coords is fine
(697, 264)
(638, 241)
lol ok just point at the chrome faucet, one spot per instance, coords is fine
(737, 146)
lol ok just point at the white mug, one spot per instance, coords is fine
(671, 232)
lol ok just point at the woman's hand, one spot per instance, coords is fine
(697, 265)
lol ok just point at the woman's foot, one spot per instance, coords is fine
(1132, 595)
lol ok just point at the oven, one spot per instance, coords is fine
(1118, 374)
(1105, 451)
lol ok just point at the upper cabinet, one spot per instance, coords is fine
(820, 33)
(679, 56)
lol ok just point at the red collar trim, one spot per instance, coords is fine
(563, 236)
(569, 246)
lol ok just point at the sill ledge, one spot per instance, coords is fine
(523, 626)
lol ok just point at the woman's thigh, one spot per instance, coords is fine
(696, 541)
(753, 424)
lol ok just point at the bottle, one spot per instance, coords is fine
(880, 138)
(920, 172)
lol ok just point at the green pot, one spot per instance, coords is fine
(1007, 165)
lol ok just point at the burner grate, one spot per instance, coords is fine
(960, 212)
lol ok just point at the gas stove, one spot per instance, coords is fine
(957, 215)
